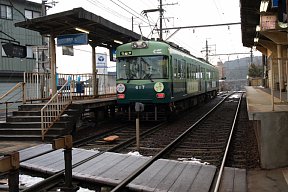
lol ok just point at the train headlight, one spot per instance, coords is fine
(139, 44)
(120, 88)
(158, 87)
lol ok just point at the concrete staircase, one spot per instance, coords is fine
(25, 124)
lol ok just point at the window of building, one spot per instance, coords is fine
(30, 53)
(5, 12)
(29, 14)
(3, 54)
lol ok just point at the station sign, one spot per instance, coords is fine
(14, 50)
(72, 39)
(274, 3)
(268, 22)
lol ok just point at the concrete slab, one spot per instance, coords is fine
(271, 127)
(267, 181)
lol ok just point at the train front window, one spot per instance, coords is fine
(146, 67)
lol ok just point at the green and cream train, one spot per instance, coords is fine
(163, 77)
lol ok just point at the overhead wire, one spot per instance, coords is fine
(155, 26)
(128, 10)
(140, 15)
(109, 10)
(149, 21)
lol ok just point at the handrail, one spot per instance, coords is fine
(13, 98)
(54, 108)
(20, 84)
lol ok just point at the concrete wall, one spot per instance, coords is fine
(272, 132)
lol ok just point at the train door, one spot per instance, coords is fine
(199, 77)
(203, 79)
(174, 76)
(171, 75)
(184, 76)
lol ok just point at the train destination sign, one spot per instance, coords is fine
(72, 39)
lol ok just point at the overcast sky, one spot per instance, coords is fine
(221, 40)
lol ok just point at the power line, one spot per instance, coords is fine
(111, 11)
(199, 26)
(131, 9)
(128, 10)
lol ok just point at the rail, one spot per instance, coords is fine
(9, 100)
(54, 108)
(227, 147)
(138, 171)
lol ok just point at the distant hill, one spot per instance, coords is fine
(238, 69)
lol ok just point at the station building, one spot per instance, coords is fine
(264, 27)
(266, 31)
(11, 12)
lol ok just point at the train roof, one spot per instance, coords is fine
(170, 44)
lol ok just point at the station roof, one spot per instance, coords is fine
(101, 31)
(250, 16)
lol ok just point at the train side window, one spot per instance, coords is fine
(202, 73)
(188, 70)
(208, 75)
(194, 71)
(175, 69)
(183, 69)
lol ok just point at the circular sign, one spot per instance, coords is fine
(158, 87)
(101, 58)
(120, 88)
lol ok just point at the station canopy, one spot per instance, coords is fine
(249, 20)
(102, 32)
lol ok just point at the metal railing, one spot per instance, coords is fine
(54, 108)
(11, 99)
(82, 84)
(38, 85)
(37, 88)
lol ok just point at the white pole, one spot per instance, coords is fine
(37, 76)
(286, 81)
(138, 132)
(272, 85)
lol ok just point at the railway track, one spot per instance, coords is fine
(221, 137)
(154, 148)
(125, 136)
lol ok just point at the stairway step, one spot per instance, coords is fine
(33, 131)
(27, 137)
(63, 124)
(38, 113)
(31, 107)
(26, 113)
(34, 118)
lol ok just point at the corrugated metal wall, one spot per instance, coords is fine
(25, 37)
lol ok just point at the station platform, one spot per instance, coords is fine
(270, 123)
(250, 181)
(112, 168)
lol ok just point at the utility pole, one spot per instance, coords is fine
(161, 10)
(132, 24)
(161, 17)
(251, 56)
(207, 50)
